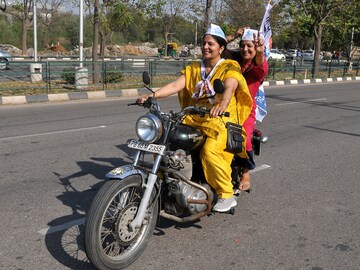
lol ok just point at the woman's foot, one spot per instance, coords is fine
(245, 181)
(224, 205)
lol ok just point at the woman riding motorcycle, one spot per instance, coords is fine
(195, 85)
(254, 68)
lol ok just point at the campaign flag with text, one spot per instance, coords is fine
(265, 30)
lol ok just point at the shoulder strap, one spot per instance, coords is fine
(246, 72)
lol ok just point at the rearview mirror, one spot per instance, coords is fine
(146, 78)
(219, 86)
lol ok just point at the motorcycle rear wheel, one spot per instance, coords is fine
(108, 242)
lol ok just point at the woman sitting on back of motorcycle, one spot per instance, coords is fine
(195, 82)
(254, 68)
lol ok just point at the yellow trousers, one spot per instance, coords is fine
(216, 164)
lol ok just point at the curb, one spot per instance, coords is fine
(308, 81)
(17, 100)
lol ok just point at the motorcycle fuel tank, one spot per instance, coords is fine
(186, 137)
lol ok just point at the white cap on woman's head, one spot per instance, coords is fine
(215, 30)
(250, 33)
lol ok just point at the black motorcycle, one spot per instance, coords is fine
(124, 213)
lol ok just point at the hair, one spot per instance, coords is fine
(219, 40)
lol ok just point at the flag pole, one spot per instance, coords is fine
(265, 29)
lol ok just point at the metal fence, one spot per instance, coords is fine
(59, 76)
(280, 70)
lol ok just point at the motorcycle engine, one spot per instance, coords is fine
(182, 192)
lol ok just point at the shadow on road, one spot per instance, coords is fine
(334, 105)
(64, 239)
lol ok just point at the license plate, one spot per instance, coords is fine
(147, 147)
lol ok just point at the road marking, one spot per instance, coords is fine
(296, 102)
(63, 227)
(81, 221)
(50, 133)
(260, 168)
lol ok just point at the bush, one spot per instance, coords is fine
(69, 75)
(114, 76)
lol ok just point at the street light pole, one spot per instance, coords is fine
(351, 42)
(81, 37)
(35, 31)
(195, 42)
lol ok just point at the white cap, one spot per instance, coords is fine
(215, 30)
(250, 33)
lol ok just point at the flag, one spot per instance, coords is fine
(265, 30)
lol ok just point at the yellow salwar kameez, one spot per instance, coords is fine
(216, 161)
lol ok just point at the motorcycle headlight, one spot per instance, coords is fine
(149, 128)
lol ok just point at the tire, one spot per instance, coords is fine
(3, 64)
(108, 242)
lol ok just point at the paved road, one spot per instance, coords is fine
(303, 212)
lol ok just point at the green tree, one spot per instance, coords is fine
(245, 13)
(10, 30)
(48, 13)
(105, 14)
(339, 32)
(112, 18)
(22, 12)
(167, 12)
(311, 16)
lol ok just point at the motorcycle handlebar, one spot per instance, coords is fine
(147, 103)
(204, 111)
(191, 109)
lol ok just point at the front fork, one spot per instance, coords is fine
(149, 186)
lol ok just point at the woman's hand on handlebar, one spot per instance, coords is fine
(143, 98)
(216, 111)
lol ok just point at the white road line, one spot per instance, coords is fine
(62, 227)
(291, 103)
(50, 133)
(81, 221)
(260, 168)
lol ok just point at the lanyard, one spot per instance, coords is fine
(205, 81)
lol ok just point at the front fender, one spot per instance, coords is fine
(125, 171)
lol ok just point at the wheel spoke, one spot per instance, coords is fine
(113, 249)
(111, 240)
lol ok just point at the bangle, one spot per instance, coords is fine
(224, 99)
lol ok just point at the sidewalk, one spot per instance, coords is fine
(13, 100)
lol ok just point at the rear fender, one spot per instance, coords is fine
(258, 138)
(256, 141)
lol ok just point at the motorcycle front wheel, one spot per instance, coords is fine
(109, 244)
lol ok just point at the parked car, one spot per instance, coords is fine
(308, 55)
(291, 54)
(5, 58)
(276, 55)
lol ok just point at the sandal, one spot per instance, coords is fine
(245, 182)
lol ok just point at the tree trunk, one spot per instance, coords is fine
(24, 37)
(96, 74)
(317, 35)
(207, 14)
(102, 44)
(166, 42)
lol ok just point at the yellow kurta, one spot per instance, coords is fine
(215, 160)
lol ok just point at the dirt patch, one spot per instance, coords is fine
(145, 49)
